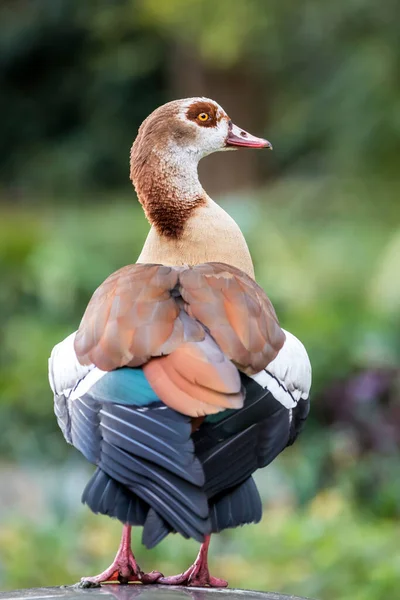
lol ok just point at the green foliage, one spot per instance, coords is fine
(67, 75)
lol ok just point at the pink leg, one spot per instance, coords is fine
(124, 567)
(198, 574)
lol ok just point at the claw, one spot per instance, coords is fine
(124, 568)
(198, 575)
(190, 578)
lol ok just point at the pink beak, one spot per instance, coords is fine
(239, 137)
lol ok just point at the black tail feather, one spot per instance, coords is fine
(106, 496)
(155, 529)
(239, 506)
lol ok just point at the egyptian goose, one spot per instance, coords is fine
(180, 383)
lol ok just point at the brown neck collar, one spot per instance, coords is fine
(168, 215)
(167, 185)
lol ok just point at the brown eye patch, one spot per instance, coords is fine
(203, 113)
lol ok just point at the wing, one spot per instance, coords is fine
(144, 453)
(232, 448)
(150, 453)
(132, 316)
(147, 470)
(234, 444)
(236, 311)
(234, 498)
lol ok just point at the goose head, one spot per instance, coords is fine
(166, 152)
(193, 127)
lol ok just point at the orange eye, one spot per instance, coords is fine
(203, 117)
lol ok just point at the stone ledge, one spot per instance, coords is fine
(128, 592)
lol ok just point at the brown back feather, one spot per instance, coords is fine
(135, 315)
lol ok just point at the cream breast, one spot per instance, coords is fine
(210, 235)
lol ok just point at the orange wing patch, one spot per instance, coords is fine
(189, 381)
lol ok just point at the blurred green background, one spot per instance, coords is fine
(321, 215)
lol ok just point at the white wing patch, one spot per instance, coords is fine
(66, 374)
(288, 376)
